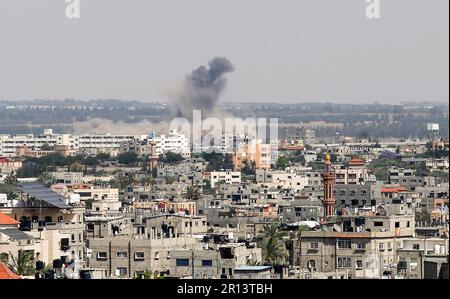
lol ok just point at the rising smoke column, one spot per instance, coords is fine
(202, 88)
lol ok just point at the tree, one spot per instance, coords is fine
(253, 263)
(228, 162)
(248, 167)
(308, 147)
(282, 163)
(125, 180)
(146, 181)
(218, 161)
(171, 158)
(127, 158)
(11, 179)
(193, 193)
(23, 264)
(381, 173)
(422, 169)
(298, 157)
(76, 167)
(29, 169)
(272, 244)
(147, 274)
(46, 147)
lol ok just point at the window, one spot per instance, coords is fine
(344, 244)
(121, 272)
(397, 224)
(378, 223)
(381, 246)
(4, 256)
(122, 254)
(416, 246)
(311, 264)
(359, 265)
(139, 255)
(102, 255)
(361, 246)
(344, 262)
(182, 262)
(65, 244)
(389, 246)
(206, 263)
(314, 246)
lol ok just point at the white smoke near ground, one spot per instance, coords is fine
(106, 126)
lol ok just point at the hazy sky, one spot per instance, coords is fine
(283, 50)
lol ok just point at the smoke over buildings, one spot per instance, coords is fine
(202, 88)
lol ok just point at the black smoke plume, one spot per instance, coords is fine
(202, 88)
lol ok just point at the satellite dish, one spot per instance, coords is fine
(337, 228)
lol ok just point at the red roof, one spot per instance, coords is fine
(6, 220)
(6, 273)
(393, 189)
(356, 161)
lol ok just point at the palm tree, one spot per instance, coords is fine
(23, 264)
(146, 181)
(272, 244)
(253, 263)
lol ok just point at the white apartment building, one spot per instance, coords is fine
(355, 173)
(97, 193)
(225, 177)
(104, 141)
(284, 179)
(9, 143)
(174, 142)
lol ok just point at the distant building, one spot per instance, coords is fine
(296, 132)
(259, 154)
(432, 132)
(225, 177)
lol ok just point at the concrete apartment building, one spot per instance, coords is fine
(66, 177)
(357, 246)
(55, 225)
(225, 177)
(126, 257)
(295, 133)
(10, 143)
(354, 173)
(148, 246)
(213, 261)
(368, 194)
(258, 153)
(174, 142)
(282, 179)
(88, 192)
(414, 253)
(300, 210)
(105, 143)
